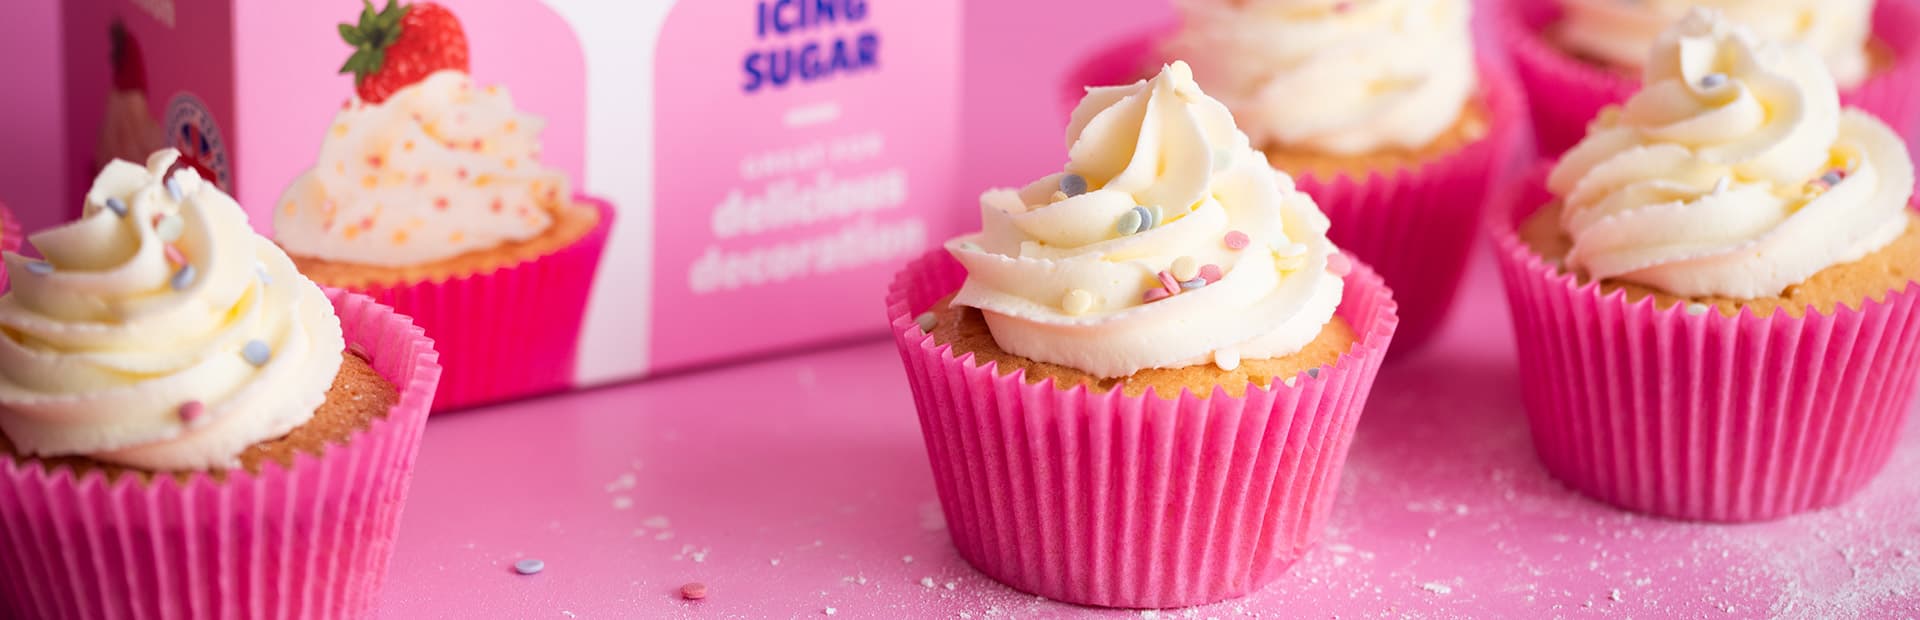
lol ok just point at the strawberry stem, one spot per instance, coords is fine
(370, 37)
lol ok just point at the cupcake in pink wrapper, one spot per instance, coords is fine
(428, 196)
(188, 427)
(1380, 110)
(1138, 382)
(1577, 56)
(1714, 293)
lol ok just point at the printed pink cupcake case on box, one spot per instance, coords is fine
(1705, 417)
(308, 541)
(1568, 92)
(1103, 499)
(1416, 227)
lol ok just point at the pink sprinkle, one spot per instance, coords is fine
(1210, 273)
(1339, 265)
(693, 591)
(174, 256)
(1237, 240)
(191, 411)
(1167, 281)
(1157, 294)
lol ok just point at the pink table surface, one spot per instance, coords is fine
(798, 488)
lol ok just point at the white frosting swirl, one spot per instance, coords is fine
(1343, 77)
(439, 169)
(1164, 144)
(1619, 32)
(1709, 182)
(105, 344)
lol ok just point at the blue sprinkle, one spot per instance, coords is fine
(1313, 372)
(117, 206)
(173, 188)
(1831, 178)
(1193, 284)
(529, 566)
(1152, 218)
(256, 352)
(260, 269)
(40, 268)
(183, 278)
(1713, 80)
(1073, 185)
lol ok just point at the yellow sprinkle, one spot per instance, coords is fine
(340, 168)
(1185, 268)
(1059, 196)
(369, 181)
(1077, 302)
(456, 237)
(399, 237)
(512, 126)
(339, 130)
(483, 180)
(288, 208)
(407, 146)
(350, 233)
(511, 163)
(493, 89)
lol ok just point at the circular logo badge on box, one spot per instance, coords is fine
(192, 129)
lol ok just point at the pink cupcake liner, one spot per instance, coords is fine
(1707, 417)
(510, 333)
(1415, 226)
(1102, 499)
(1568, 92)
(310, 541)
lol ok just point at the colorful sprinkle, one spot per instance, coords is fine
(39, 268)
(1154, 217)
(1185, 268)
(1168, 282)
(1696, 309)
(1222, 159)
(1156, 294)
(358, 351)
(192, 410)
(1210, 272)
(1313, 372)
(1237, 240)
(183, 278)
(1188, 285)
(1077, 302)
(529, 566)
(1833, 177)
(1226, 359)
(256, 352)
(1339, 265)
(1713, 80)
(1131, 221)
(693, 591)
(173, 254)
(173, 188)
(117, 206)
(260, 269)
(169, 226)
(927, 321)
(1073, 185)
(1058, 196)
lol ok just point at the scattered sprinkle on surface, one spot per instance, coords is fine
(693, 591)
(529, 566)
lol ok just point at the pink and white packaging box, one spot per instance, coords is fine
(763, 189)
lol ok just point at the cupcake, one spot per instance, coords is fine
(1138, 382)
(1714, 291)
(1575, 56)
(428, 196)
(180, 410)
(1381, 111)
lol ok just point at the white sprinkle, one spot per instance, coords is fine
(1614, 595)
(173, 188)
(1720, 186)
(1226, 359)
(927, 582)
(529, 566)
(622, 502)
(1696, 309)
(1436, 587)
(831, 611)
(773, 562)
(663, 536)
(906, 558)
(39, 268)
(658, 522)
(927, 321)
(951, 585)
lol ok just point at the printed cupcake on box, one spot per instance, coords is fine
(428, 194)
(569, 192)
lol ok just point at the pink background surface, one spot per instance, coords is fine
(794, 485)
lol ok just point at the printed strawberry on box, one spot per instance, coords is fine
(563, 192)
